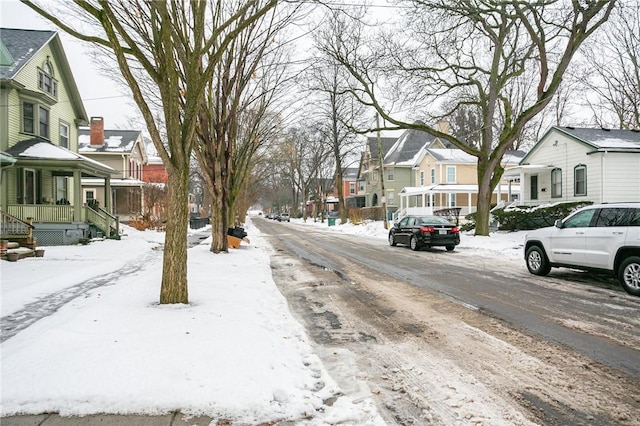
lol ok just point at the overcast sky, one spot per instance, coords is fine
(99, 94)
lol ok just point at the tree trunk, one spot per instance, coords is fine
(485, 189)
(174, 276)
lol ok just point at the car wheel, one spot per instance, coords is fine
(629, 275)
(413, 243)
(537, 262)
(392, 240)
(450, 248)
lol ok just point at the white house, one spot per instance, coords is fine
(580, 164)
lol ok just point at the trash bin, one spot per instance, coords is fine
(332, 221)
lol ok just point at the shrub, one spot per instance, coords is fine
(526, 217)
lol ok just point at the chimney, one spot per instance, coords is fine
(443, 126)
(97, 131)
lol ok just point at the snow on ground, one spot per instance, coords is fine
(235, 352)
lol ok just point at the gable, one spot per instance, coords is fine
(30, 51)
(584, 139)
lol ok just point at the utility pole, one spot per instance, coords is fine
(380, 156)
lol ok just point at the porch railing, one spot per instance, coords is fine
(11, 226)
(44, 213)
(50, 213)
(105, 221)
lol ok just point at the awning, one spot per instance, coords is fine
(527, 169)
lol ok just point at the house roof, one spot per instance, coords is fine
(408, 147)
(604, 138)
(42, 152)
(620, 140)
(18, 47)
(387, 143)
(115, 141)
(21, 45)
(350, 173)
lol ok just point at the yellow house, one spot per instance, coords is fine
(447, 178)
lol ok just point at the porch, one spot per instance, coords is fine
(58, 224)
(425, 200)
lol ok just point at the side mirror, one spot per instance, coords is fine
(559, 223)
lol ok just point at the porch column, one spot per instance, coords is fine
(107, 194)
(469, 198)
(77, 195)
(522, 189)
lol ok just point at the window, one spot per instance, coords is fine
(580, 220)
(61, 190)
(556, 183)
(614, 217)
(28, 117)
(533, 187)
(64, 135)
(433, 176)
(580, 180)
(390, 174)
(46, 82)
(391, 198)
(451, 174)
(352, 188)
(421, 177)
(451, 199)
(361, 185)
(89, 195)
(29, 184)
(43, 118)
(374, 176)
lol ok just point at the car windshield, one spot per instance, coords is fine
(432, 220)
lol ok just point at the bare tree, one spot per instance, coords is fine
(507, 58)
(171, 48)
(243, 87)
(336, 113)
(301, 154)
(613, 74)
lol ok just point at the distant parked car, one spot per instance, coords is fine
(425, 231)
(284, 217)
(601, 237)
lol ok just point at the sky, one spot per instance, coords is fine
(89, 336)
(100, 95)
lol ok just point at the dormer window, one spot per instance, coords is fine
(46, 81)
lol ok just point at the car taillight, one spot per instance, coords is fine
(427, 229)
(455, 230)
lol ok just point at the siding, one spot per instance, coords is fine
(622, 176)
(566, 154)
(60, 110)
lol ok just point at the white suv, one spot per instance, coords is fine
(603, 237)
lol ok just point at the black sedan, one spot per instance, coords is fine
(425, 231)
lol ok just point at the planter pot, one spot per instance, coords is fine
(40, 253)
(12, 257)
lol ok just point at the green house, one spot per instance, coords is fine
(41, 170)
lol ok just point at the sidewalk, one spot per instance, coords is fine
(175, 419)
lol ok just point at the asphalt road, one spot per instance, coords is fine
(536, 305)
(576, 324)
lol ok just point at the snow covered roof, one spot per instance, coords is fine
(21, 45)
(42, 151)
(115, 141)
(113, 182)
(451, 188)
(605, 138)
(453, 155)
(407, 148)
